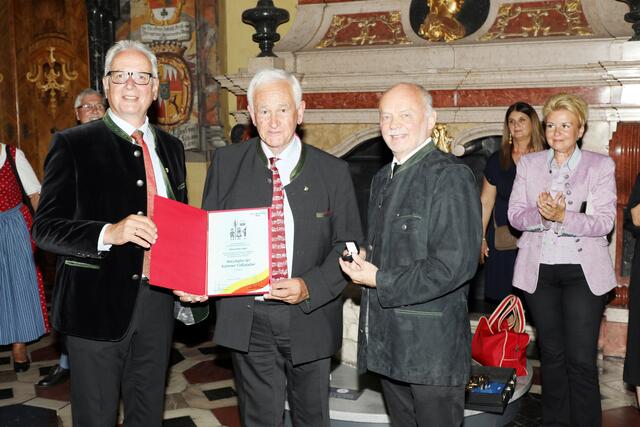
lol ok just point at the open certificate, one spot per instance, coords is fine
(211, 253)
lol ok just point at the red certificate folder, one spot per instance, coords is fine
(180, 256)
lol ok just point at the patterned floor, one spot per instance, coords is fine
(201, 390)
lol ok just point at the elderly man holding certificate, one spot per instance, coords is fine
(282, 343)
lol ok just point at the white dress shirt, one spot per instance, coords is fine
(287, 161)
(395, 161)
(150, 140)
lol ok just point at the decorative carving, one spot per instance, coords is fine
(359, 29)
(51, 75)
(552, 18)
(265, 18)
(633, 17)
(174, 95)
(441, 23)
(441, 137)
(164, 12)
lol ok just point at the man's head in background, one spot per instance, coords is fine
(89, 105)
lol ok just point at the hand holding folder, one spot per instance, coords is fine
(217, 253)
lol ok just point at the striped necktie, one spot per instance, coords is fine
(279, 268)
(152, 190)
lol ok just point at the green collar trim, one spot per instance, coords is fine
(114, 128)
(296, 170)
(431, 146)
(122, 134)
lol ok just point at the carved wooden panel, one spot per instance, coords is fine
(45, 64)
(8, 115)
(625, 151)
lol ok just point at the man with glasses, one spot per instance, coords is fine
(89, 105)
(95, 212)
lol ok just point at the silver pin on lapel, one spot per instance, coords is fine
(306, 188)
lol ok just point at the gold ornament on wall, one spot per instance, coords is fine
(381, 28)
(441, 137)
(441, 23)
(52, 76)
(564, 18)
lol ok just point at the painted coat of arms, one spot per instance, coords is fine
(175, 94)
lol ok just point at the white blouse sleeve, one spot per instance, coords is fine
(27, 175)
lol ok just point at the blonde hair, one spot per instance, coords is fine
(571, 103)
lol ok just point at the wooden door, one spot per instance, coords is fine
(44, 65)
(624, 148)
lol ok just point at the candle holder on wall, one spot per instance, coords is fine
(265, 18)
(51, 76)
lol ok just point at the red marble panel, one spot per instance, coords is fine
(451, 98)
(45, 353)
(534, 96)
(301, 2)
(229, 416)
(549, 18)
(621, 417)
(209, 371)
(60, 392)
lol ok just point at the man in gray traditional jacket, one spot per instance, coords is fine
(424, 235)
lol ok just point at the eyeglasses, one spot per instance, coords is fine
(121, 77)
(91, 107)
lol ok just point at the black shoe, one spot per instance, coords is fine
(56, 375)
(21, 366)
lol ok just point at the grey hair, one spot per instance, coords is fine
(123, 45)
(426, 96)
(86, 92)
(272, 75)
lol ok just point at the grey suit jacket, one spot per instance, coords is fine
(325, 212)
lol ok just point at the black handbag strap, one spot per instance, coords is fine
(12, 163)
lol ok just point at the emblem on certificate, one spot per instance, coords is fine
(217, 253)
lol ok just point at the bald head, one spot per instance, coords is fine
(406, 118)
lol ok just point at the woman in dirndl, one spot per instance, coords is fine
(23, 314)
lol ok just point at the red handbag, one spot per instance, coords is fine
(501, 339)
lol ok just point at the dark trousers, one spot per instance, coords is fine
(567, 317)
(411, 405)
(137, 365)
(266, 374)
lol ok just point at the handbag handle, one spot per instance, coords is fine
(510, 306)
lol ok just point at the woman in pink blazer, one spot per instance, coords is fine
(564, 200)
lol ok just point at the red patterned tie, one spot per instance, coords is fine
(278, 242)
(151, 189)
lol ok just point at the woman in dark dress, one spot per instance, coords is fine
(521, 134)
(632, 361)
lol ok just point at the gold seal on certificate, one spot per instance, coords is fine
(217, 253)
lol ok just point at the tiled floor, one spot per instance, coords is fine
(201, 390)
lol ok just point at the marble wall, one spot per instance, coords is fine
(346, 53)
